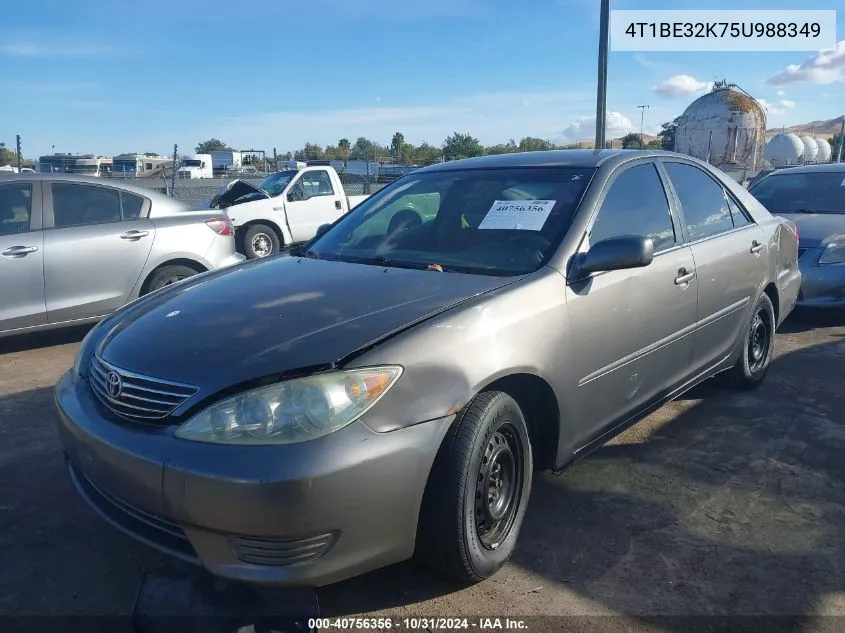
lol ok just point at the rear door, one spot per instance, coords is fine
(634, 327)
(96, 242)
(21, 256)
(730, 258)
(315, 202)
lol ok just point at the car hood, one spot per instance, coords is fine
(816, 229)
(274, 316)
(233, 190)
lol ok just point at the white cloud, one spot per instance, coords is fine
(492, 118)
(781, 93)
(778, 107)
(584, 128)
(825, 67)
(681, 86)
(54, 49)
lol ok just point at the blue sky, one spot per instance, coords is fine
(107, 77)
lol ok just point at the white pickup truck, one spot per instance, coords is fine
(286, 208)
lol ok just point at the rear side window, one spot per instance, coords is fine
(636, 204)
(702, 199)
(739, 217)
(15, 208)
(81, 205)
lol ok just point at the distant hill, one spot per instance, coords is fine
(824, 129)
(615, 143)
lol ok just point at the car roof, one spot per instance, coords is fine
(808, 169)
(552, 158)
(93, 180)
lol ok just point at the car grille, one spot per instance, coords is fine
(149, 528)
(279, 552)
(136, 397)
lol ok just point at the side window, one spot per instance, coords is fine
(15, 208)
(131, 205)
(80, 205)
(316, 183)
(740, 217)
(636, 204)
(703, 201)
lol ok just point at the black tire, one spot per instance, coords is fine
(260, 240)
(451, 537)
(757, 348)
(167, 275)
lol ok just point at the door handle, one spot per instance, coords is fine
(16, 252)
(337, 204)
(684, 277)
(756, 247)
(134, 235)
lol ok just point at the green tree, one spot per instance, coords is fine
(426, 154)
(507, 148)
(459, 146)
(365, 149)
(7, 156)
(631, 141)
(396, 144)
(212, 145)
(343, 145)
(532, 144)
(311, 151)
(667, 134)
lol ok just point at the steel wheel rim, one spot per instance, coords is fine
(261, 244)
(498, 487)
(759, 342)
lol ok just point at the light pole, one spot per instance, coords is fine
(601, 92)
(642, 120)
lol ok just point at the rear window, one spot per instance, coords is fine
(802, 192)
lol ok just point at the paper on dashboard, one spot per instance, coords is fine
(524, 215)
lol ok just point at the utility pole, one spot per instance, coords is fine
(173, 173)
(601, 92)
(642, 120)
(18, 150)
(841, 141)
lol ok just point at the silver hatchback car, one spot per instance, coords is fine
(73, 249)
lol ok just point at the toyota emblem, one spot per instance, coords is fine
(114, 385)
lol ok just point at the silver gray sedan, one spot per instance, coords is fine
(813, 197)
(389, 389)
(74, 249)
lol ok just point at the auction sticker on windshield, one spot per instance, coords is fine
(524, 215)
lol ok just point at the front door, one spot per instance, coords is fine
(315, 202)
(634, 326)
(729, 250)
(21, 256)
(96, 242)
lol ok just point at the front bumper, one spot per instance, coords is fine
(822, 286)
(300, 515)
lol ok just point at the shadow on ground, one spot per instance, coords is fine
(805, 319)
(39, 340)
(721, 503)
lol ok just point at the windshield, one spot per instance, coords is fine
(479, 221)
(191, 163)
(807, 192)
(274, 184)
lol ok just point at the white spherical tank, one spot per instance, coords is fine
(811, 149)
(784, 149)
(725, 127)
(825, 151)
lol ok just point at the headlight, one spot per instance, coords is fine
(82, 354)
(292, 411)
(834, 253)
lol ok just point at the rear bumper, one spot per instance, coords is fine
(296, 515)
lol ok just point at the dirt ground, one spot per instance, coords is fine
(718, 504)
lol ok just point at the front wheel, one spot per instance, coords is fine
(259, 241)
(477, 494)
(757, 350)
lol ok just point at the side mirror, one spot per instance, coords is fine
(617, 253)
(322, 229)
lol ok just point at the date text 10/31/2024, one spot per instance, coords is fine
(422, 623)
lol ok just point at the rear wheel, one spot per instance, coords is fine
(757, 350)
(167, 275)
(478, 491)
(259, 241)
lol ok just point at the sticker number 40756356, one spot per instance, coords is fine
(525, 215)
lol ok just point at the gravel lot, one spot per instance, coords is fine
(718, 504)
